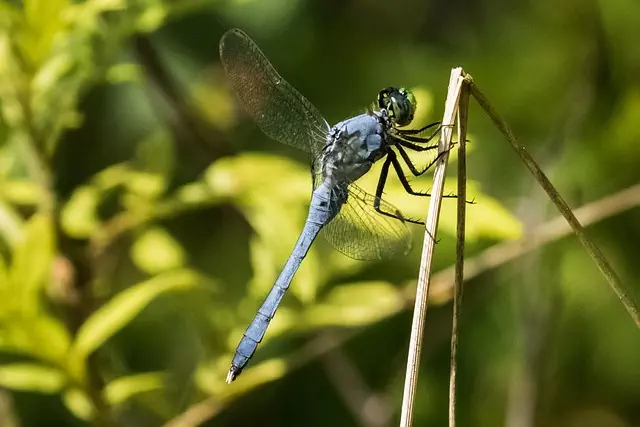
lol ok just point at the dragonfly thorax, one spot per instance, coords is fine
(353, 145)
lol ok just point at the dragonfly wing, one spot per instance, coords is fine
(279, 110)
(360, 232)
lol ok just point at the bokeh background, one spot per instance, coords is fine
(143, 216)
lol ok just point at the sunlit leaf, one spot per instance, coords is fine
(43, 19)
(120, 310)
(121, 73)
(211, 379)
(11, 227)
(112, 176)
(122, 389)
(79, 404)
(51, 73)
(146, 184)
(253, 173)
(196, 193)
(32, 258)
(486, 218)
(26, 335)
(79, 217)
(21, 192)
(155, 251)
(355, 305)
(31, 377)
(153, 17)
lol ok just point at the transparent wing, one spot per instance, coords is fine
(360, 232)
(278, 109)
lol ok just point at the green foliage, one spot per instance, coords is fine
(31, 377)
(119, 311)
(123, 389)
(143, 217)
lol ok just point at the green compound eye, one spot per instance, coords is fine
(400, 103)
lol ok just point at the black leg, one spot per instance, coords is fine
(384, 173)
(417, 131)
(405, 183)
(413, 146)
(415, 138)
(410, 164)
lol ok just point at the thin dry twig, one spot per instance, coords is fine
(463, 107)
(593, 250)
(553, 230)
(422, 292)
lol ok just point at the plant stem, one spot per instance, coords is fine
(593, 250)
(463, 110)
(431, 223)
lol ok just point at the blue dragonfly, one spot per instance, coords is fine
(356, 223)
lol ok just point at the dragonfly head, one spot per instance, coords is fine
(399, 103)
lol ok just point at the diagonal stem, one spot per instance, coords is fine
(605, 268)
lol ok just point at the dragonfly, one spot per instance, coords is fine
(356, 223)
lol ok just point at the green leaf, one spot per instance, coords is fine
(124, 73)
(211, 378)
(32, 258)
(148, 185)
(249, 174)
(152, 18)
(79, 404)
(31, 377)
(112, 176)
(486, 218)
(26, 335)
(44, 18)
(156, 251)
(119, 311)
(355, 305)
(79, 217)
(11, 226)
(21, 192)
(122, 389)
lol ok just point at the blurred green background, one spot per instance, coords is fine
(143, 216)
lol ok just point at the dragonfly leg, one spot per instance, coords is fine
(384, 173)
(405, 182)
(410, 164)
(417, 131)
(417, 139)
(414, 147)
